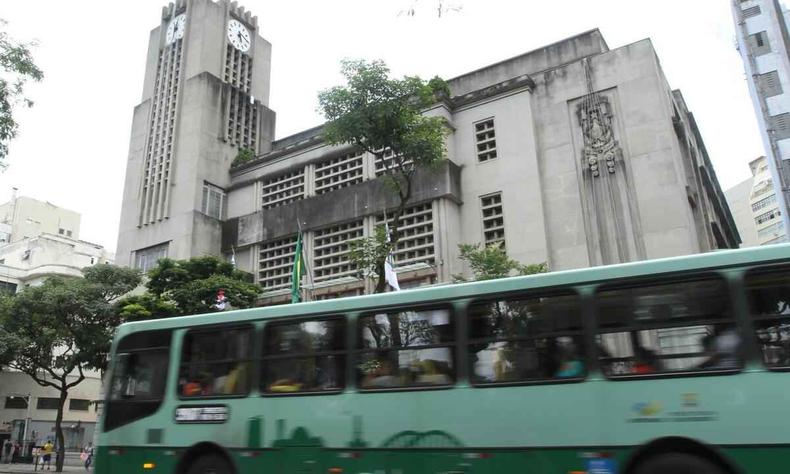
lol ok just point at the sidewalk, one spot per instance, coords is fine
(15, 468)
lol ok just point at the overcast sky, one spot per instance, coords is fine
(73, 143)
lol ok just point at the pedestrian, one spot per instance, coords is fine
(47, 451)
(7, 451)
(88, 456)
(15, 452)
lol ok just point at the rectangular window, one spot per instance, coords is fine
(76, 404)
(47, 403)
(337, 173)
(415, 235)
(61, 231)
(331, 250)
(406, 349)
(307, 356)
(780, 126)
(485, 140)
(147, 258)
(769, 84)
(767, 216)
(388, 163)
(213, 201)
(16, 402)
(275, 263)
(283, 189)
(768, 291)
(667, 328)
(216, 363)
(758, 43)
(764, 202)
(526, 339)
(750, 12)
(493, 219)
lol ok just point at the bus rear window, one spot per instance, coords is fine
(406, 349)
(769, 307)
(526, 339)
(667, 328)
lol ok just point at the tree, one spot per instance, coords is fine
(383, 116)
(16, 69)
(491, 262)
(181, 287)
(63, 328)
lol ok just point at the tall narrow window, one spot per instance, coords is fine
(493, 219)
(213, 201)
(485, 139)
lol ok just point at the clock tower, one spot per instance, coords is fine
(205, 98)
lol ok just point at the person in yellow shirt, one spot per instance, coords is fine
(47, 450)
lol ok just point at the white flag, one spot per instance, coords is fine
(389, 271)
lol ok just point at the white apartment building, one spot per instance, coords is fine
(763, 41)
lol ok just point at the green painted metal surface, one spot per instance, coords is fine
(534, 428)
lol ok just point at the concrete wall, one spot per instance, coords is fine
(738, 199)
(30, 217)
(42, 421)
(200, 153)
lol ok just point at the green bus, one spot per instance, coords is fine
(677, 365)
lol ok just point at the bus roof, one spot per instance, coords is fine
(581, 276)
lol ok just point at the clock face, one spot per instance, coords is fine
(238, 36)
(175, 30)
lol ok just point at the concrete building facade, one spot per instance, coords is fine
(205, 94)
(42, 240)
(755, 207)
(764, 43)
(23, 217)
(79, 416)
(573, 154)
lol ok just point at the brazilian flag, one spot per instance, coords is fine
(299, 268)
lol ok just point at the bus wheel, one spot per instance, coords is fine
(677, 463)
(210, 464)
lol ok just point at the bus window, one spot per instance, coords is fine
(139, 377)
(216, 362)
(667, 328)
(306, 356)
(406, 349)
(769, 306)
(526, 339)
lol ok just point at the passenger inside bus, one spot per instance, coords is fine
(722, 347)
(570, 364)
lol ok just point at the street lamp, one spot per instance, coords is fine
(27, 421)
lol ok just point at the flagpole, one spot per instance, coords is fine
(304, 260)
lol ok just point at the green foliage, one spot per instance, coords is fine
(55, 331)
(367, 253)
(245, 155)
(376, 113)
(491, 262)
(16, 68)
(181, 287)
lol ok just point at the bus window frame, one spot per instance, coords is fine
(585, 353)
(158, 402)
(750, 320)
(357, 351)
(263, 358)
(662, 280)
(209, 328)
